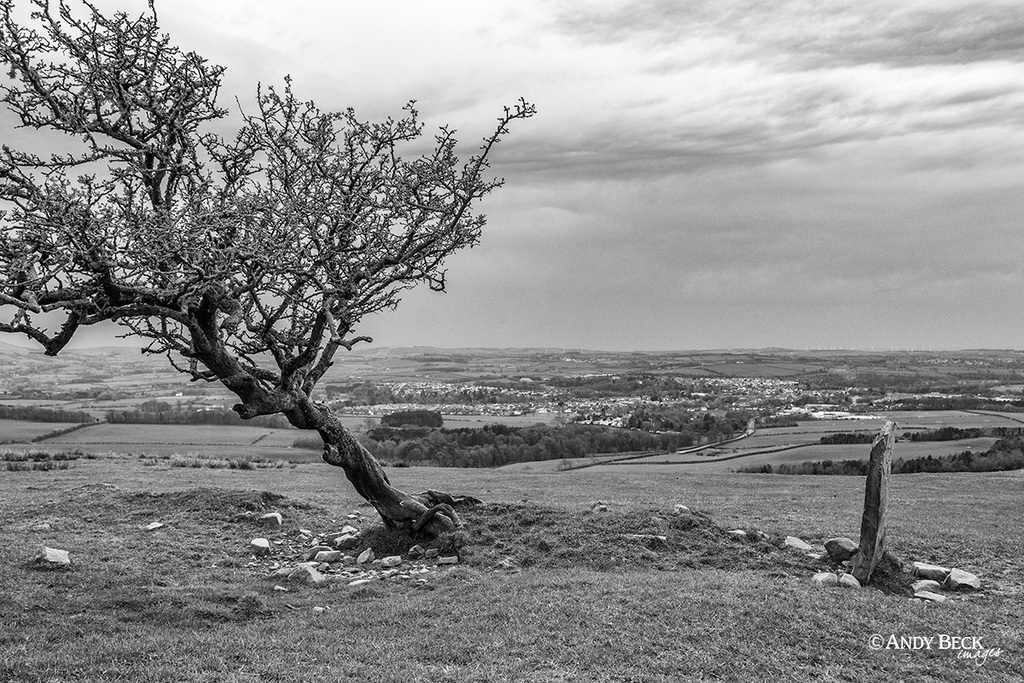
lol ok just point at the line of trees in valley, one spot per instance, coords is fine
(36, 414)
(956, 434)
(215, 416)
(1005, 454)
(498, 444)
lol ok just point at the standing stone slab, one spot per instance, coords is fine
(876, 501)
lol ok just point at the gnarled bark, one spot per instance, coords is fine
(431, 513)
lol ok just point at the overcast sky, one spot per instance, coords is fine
(721, 174)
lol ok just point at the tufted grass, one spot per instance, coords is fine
(548, 590)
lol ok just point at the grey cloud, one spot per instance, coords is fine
(818, 34)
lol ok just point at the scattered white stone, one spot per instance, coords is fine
(849, 580)
(349, 529)
(814, 556)
(365, 556)
(319, 610)
(929, 596)
(359, 582)
(305, 532)
(346, 541)
(450, 559)
(600, 507)
(354, 515)
(930, 571)
(647, 538)
(153, 526)
(681, 509)
(41, 526)
(282, 589)
(958, 579)
(259, 547)
(328, 556)
(799, 544)
(391, 561)
(825, 578)
(840, 549)
(738, 533)
(272, 519)
(925, 585)
(54, 557)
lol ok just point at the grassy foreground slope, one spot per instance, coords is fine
(184, 604)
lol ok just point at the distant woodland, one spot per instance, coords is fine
(1005, 454)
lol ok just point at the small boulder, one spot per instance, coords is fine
(312, 552)
(328, 556)
(681, 509)
(416, 552)
(272, 519)
(929, 596)
(840, 549)
(358, 582)
(849, 580)
(449, 559)
(365, 556)
(738, 533)
(925, 585)
(958, 579)
(53, 557)
(391, 561)
(430, 553)
(259, 547)
(306, 573)
(153, 526)
(930, 571)
(825, 578)
(799, 544)
(600, 507)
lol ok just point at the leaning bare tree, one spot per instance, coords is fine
(246, 261)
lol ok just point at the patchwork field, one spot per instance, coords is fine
(572, 602)
(23, 431)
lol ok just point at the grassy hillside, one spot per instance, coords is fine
(547, 589)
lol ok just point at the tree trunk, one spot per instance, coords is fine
(431, 513)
